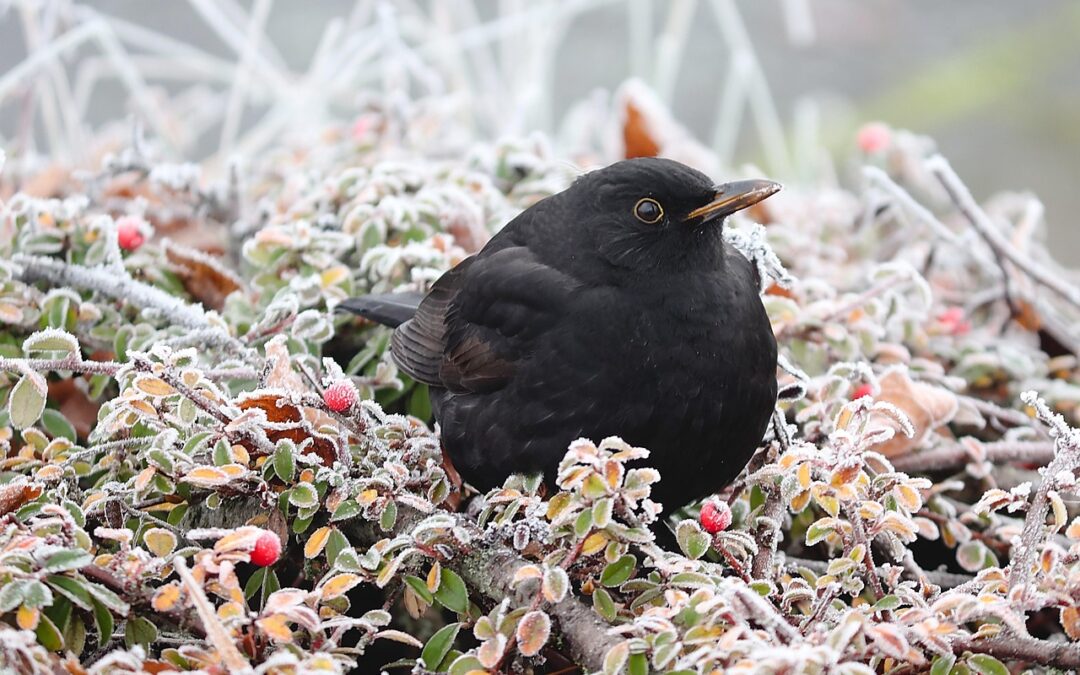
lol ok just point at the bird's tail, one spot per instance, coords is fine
(389, 309)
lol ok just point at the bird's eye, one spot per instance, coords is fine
(648, 210)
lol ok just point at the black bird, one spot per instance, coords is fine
(614, 307)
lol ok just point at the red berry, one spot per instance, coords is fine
(862, 390)
(267, 549)
(715, 516)
(129, 232)
(873, 137)
(953, 321)
(340, 396)
(361, 128)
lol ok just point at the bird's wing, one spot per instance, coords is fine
(419, 343)
(480, 319)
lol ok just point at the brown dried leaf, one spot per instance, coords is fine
(1070, 621)
(637, 139)
(927, 407)
(321, 446)
(16, 493)
(203, 276)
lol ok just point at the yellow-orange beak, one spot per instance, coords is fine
(732, 197)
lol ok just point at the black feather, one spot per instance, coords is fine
(389, 309)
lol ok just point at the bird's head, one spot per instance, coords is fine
(652, 213)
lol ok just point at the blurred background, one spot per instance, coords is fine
(772, 82)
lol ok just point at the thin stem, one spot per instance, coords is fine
(75, 364)
(982, 224)
(956, 456)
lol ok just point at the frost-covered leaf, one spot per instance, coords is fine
(533, 632)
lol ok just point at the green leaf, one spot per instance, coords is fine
(887, 602)
(345, 510)
(139, 631)
(76, 512)
(639, 664)
(693, 542)
(303, 496)
(335, 545)
(348, 561)
(301, 523)
(452, 593)
(36, 594)
(285, 462)
(11, 595)
(603, 604)
(984, 664)
(222, 454)
(108, 598)
(51, 341)
(465, 664)
(69, 559)
(75, 634)
(57, 425)
(619, 571)
(420, 402)
(27, 401)
(60, 612)
(49, 635)
(71, 588)
(388, 517)
(420, 588)
(254, 583)
(439, 645)
(103, 621)
(583, 523)
(817, 532)
(270, 586)
(943, 664)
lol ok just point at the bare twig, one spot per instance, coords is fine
(956, 456)
(117, 284)
(971, 210)
(945, 580)
(1066, 460)
(216, 633)
(1022, 648)
(77, 365)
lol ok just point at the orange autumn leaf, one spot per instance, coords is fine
(16, 493)
(165, 598)
(317, 542)
(637, 139)
(339, 585)
(322, 446)
(928, 407)
(203, 276)
(276, 626)
(28, 617)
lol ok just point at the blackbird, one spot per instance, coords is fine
(613, 308)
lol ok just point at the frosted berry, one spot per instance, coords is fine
(873, 137)
(952, 319)
(861, 391)
(129, 232)
(715, 516)
(267, 549)
(340, 396)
